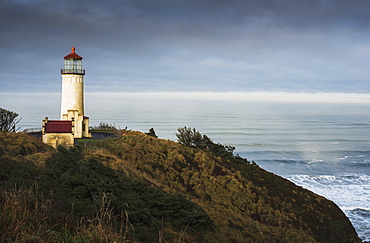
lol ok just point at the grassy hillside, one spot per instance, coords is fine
(137, 188)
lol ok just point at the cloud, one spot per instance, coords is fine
(143, 45)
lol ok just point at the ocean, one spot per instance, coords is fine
(324, 147)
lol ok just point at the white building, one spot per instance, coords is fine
(73, 123)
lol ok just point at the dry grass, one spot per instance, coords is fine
(24, 213)
(25, 216)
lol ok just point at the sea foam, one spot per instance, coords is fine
(351, 192)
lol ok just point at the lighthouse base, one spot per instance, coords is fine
(81, 123)
(63, 132)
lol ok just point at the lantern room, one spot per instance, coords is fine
(73, 64)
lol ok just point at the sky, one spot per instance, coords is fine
(293, 46)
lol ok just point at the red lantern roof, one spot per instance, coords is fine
(72, 54)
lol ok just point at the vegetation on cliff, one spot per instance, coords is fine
(8, 120)
(138, 188)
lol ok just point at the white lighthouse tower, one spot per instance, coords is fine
(73, 122)
(72, 106)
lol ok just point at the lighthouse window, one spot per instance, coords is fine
(68, 65)
(78, 64)
(72, 65)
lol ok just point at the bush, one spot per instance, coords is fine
(151, 133)
(8, 120)
(105, 127)
(190, 137)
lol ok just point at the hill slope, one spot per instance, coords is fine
(158, 190)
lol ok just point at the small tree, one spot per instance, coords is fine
(151, 133)
(190, 137)
(105, 127)
(8, 120)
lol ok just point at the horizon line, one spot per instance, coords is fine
(252, 96)
(258, 96)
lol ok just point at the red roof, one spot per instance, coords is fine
(58, 126)
(72, 54)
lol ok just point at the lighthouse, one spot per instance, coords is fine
(73, 123)
(72, 84)
(72, 105)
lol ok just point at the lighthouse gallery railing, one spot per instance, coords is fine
(72, 71)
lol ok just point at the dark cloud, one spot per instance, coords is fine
(137, 45)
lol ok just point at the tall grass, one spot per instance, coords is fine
(23, 214)
(26, 216)
(105, 227)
